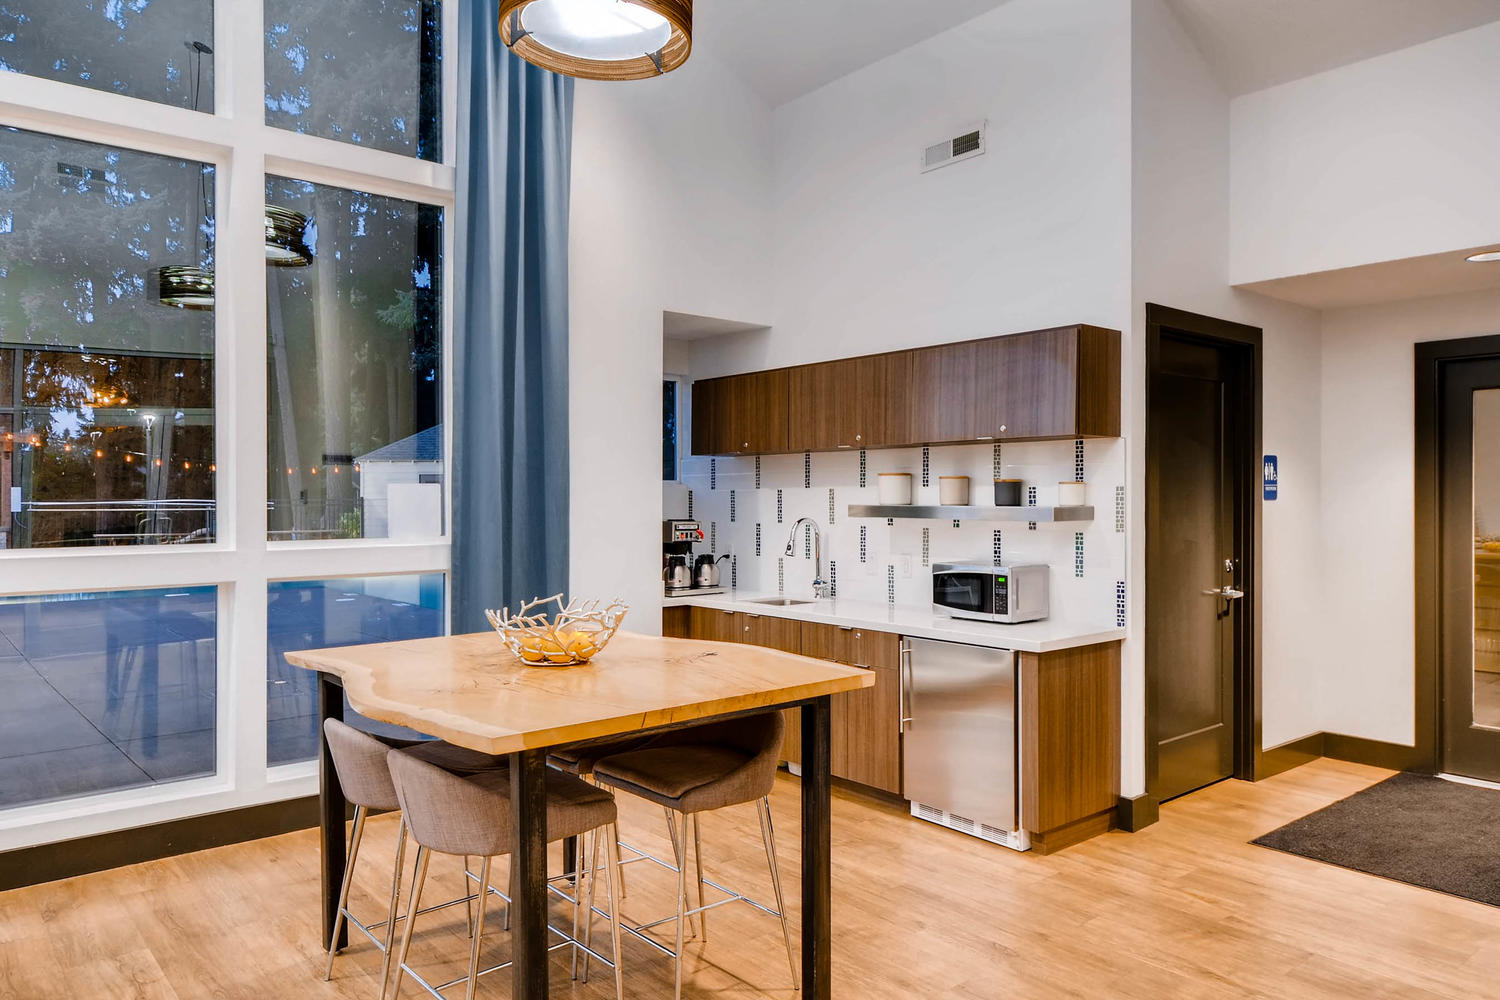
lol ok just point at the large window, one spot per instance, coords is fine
(105, 691)
(107, 393)
(156, 50)
(222, 368)
(362, 71)
(355, 345)
(320, 614)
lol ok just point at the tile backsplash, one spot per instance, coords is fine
(752, 503)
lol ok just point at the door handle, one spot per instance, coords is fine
(906, 686)
(1227, 592)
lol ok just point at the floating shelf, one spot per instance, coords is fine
(971, 513)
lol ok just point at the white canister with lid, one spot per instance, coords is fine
(953, 491)
(1071, 494)
(894, 488)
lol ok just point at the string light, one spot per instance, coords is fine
(213, 468)
(158, 463)
(187, 465)
(128, 458)
(315, 470)
(335, 470)
(98, 454)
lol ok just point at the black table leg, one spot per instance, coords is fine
(817, 848)
(331, 808)
(528, 922)
(570, 860)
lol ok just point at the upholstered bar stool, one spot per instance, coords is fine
(699, 770)
(360, 762)
(471, 816)
(580, 759)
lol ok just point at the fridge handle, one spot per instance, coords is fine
(906, 684)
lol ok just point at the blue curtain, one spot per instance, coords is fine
(510, 364)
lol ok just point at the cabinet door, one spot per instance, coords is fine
(785, 635)
(751, 418)
(867, 733)
(713, 626)
(944, 394)
(1029, 385)
(851, 403)
(826, 642)
(677, 623)
(709, 398)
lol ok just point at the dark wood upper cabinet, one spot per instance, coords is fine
(1058, 383)
(850, 403)
(741, 414)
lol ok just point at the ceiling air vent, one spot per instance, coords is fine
(962, 147)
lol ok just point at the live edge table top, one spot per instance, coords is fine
(470, 690)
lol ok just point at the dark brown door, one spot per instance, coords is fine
(1193, 596)
(1469, 491)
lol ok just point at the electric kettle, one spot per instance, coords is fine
(675, 574)
(706, 571)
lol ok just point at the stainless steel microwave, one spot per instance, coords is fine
(986, 593)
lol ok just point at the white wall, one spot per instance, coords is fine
(1368, 545)
(670, 187)
(871, 254)
(1181, 210)
(1385, 159)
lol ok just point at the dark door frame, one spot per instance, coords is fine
(1247, 340)
(1431, 358)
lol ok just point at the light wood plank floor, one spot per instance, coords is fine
(1187, 908)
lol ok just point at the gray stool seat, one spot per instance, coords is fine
(704, 768)
(471, 814)
(581, 758)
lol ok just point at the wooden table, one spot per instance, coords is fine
(468, 690)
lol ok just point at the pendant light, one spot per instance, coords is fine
(600, 39)
(187, 286)
(286, 238)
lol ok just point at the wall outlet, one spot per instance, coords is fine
(905, 564)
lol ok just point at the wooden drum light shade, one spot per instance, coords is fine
(672, 53)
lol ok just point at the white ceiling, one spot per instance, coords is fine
(786, 48)
(1387, 281)
(1254, 44)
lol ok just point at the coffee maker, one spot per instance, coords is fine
(677, 564)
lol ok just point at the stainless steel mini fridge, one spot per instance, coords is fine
(959, 751)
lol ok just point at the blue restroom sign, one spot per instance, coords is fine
(1270, 476)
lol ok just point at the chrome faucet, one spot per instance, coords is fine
(820, 586)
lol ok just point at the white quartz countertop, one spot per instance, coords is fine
(918, 622)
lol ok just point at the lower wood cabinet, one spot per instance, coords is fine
(866, 724)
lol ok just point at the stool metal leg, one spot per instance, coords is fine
(768, 834)
(613, 885)
(484, 881)
(698, 861)
(681, 902)
(360, 812)
(588, 908)
(418, 879)
(390, 920)
(679, 853)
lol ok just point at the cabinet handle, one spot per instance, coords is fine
(859, 437)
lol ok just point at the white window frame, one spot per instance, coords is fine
(684, 432)
(241, 562)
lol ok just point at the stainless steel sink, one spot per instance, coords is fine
(780, 602)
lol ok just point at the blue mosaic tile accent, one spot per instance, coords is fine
(864, 468)
(999, 549)
(926, 466)
(780, 507)
(734, 573)
(957, 523)
(864, 543)
(757, 472)
(890, 522)
(1078, 554)
(1119, 510)
(733, 513)
(1031, 502)
(833, 578)
(780, 575)
(757, 538)
(690, 505)
(713, 473)
(996, 462)
(1119, 603)
(831, 506)
(1078, 460)
(926, 546)
(713, 536)
(890, 584)
(807, 541)
(807, 470)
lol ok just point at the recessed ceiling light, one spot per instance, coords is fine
(1485, 257)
